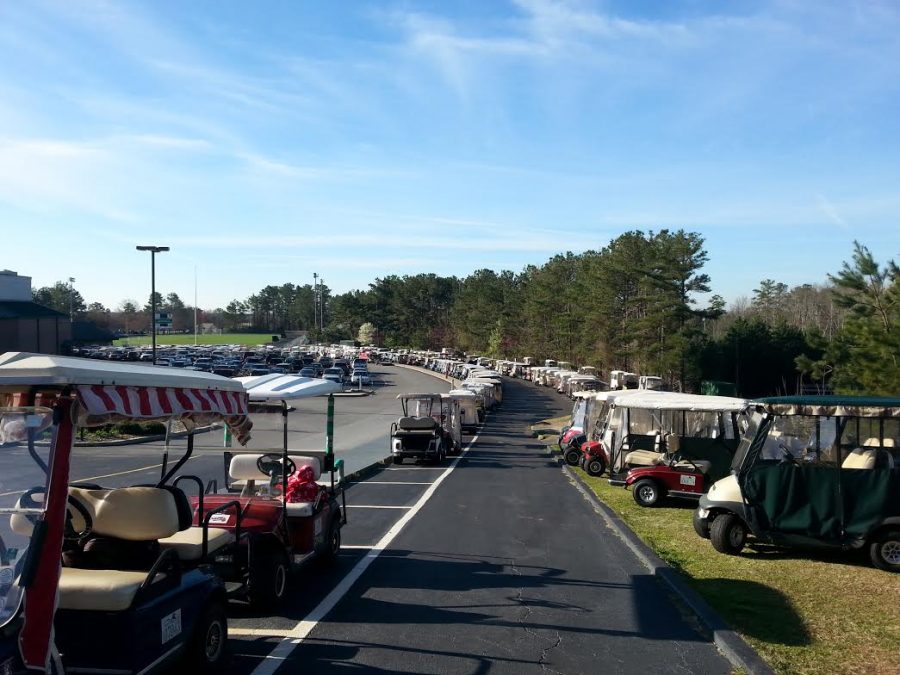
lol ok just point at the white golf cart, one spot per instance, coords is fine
(419, 432)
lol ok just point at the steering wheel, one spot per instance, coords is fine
(271, 462)
(28, 501)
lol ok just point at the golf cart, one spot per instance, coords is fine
(697, 437)
(602, 427)
(255, 545)
(85, 584)
(419, 433)
(469, 416)
(812, 471)
(572, 435)
(452, 422)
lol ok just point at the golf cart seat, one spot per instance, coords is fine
(245, 473)
(704, 465)
(122, 518)
(188, 544)
(868, 457)
(643, 458)
(416, 424)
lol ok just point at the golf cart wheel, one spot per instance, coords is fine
(646, 492)
(333, 544)
(885, 551)
(398, 459)
(728, 534)
(701, 526)
(572, 456)
(207, 650)
(269, 575)
(595, 466)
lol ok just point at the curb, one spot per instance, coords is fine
(733, 646)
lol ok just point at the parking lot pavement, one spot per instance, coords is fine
(494, 564)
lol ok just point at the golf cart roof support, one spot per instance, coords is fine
(35, 638)
(180, 463)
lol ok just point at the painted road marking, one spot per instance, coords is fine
(106, 475)
(389, 482)
(376, 506)
(300, 632)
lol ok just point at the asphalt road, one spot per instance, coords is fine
(495, 565)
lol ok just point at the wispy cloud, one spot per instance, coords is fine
(830, 211)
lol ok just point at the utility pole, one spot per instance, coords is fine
(315, 302)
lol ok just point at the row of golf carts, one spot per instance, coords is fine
(431, 426)
(819, 471)
(132, 579)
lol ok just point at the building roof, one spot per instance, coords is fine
(12, 309)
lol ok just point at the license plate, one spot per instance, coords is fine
(219, 519)
(171, 626)
(688, 480)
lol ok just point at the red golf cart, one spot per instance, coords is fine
(255, 531)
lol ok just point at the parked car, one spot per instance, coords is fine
(334, 374)
(360, 377)
(308, 372)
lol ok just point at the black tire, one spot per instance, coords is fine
(595, 466)
(270, 573)
(207, 651)
(572, 456)
(647, 492)
(332, 548)
(885, 550)
(728, 533)
(398, 459)
(701, 526)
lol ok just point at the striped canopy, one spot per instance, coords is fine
(105, 404)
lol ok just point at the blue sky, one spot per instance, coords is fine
(267, 141)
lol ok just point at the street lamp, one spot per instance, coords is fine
(71, 301)
(153, 251)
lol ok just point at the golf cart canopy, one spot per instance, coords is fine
(654, 400)
(418, 397)
(111, 392)
(278, 387)
(832, 406)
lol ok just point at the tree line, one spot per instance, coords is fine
(642, 303)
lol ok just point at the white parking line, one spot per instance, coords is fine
(375, 506)
(299, 633)
(390, 482)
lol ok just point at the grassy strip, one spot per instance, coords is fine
(803, 611)
(188, 340)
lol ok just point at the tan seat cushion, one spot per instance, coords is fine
(299, 509)
(643, 458)
(702, 464)
(188, 544)
(130, 513)
(243, 466)
(861, 458)
(99, 590)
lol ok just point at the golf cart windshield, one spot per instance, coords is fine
(19, 427)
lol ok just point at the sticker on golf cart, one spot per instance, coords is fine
(688, 480)
(219, 519)
(171, 626)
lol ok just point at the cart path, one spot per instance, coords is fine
(505, 569)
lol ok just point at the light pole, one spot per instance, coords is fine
(71, 301)
(315, 302)
(153, 251)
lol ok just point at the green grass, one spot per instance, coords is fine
(803, 611)
(221, 339)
